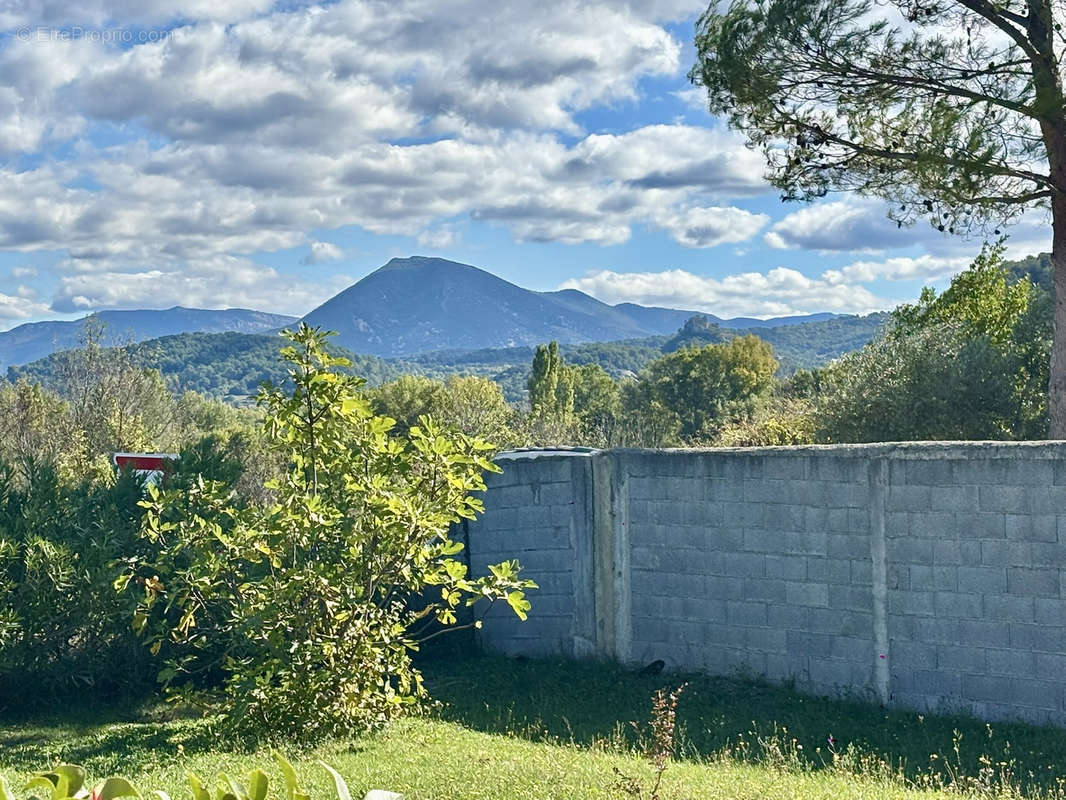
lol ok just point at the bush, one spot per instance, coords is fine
(297, 617)
(62, 626)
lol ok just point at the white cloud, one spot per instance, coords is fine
(23, 272)
(777, 292)
(852, 225)
(924, 267)
(17, 308)
(220, 282)
(320, 252)
(710, 227)
(439, 238)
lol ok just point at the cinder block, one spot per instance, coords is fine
(1009, 608)
(725, 539)
(745, 565)
(851, 598)
(765, 491)
(789, 468)
(982, 633)
(829, 672)
(789, 567)
(762, 541)
(960, 658)
(851, 649)
(916, 655)
(1042, 638)
(985, 687)
(947, 553)
(767, 640)
(910, 550)
(1040, 554)
(786, 617)
(766, 589)
(1009, 499)
(982, 525)
(1032, 527)
(808, 543)
(829, 570)
(933, 524)
(861, 572)
(954, 498)
(1035, 694)
(938, 472)
(938, 683)
(958, 605)
(1049, 666)
(936, 631)
(1043, 582)
(836, 520)
(982, 580)
(785, 517)
(905, 497)
(725, 587)
(919, 604)
(807, 643)
(825, 467)
(747, 613)
(1047, 499)
(1049, 611)
(841, 623)
(743, 515)
(1010, 662)
(807, 594)
(850, 546)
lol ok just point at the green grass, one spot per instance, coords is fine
(531, 729)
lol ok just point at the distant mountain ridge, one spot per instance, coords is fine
(421, 304)
(35, 340)
(407, 307)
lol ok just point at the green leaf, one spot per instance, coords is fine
(75, 777)
(110, 788)
(198, 790)
(41, 782)
(292, 783)
(257, 785)
(5, 792)
(338, 782)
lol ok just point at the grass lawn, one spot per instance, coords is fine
(531, 729)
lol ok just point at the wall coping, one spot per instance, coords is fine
(1034, 450)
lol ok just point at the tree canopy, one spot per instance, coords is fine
(952, 110)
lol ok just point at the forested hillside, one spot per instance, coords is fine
(216, 364)
(233, 364)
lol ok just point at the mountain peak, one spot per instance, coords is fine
(422, 262)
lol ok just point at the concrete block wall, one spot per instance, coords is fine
(929, 576)
(538, 513)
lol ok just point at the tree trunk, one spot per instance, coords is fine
(1047, 84)
(1057, 384)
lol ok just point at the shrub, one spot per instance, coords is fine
(297, 617)
(62, 627)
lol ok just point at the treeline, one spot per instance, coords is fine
(968, 363)
(232, 365)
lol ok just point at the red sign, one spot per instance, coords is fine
(146, 462)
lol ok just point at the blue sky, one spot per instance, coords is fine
(261, 155)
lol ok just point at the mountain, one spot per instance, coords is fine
(419, 304)
(36, 340)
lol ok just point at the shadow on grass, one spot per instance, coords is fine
(105, 740)
(589, 704)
